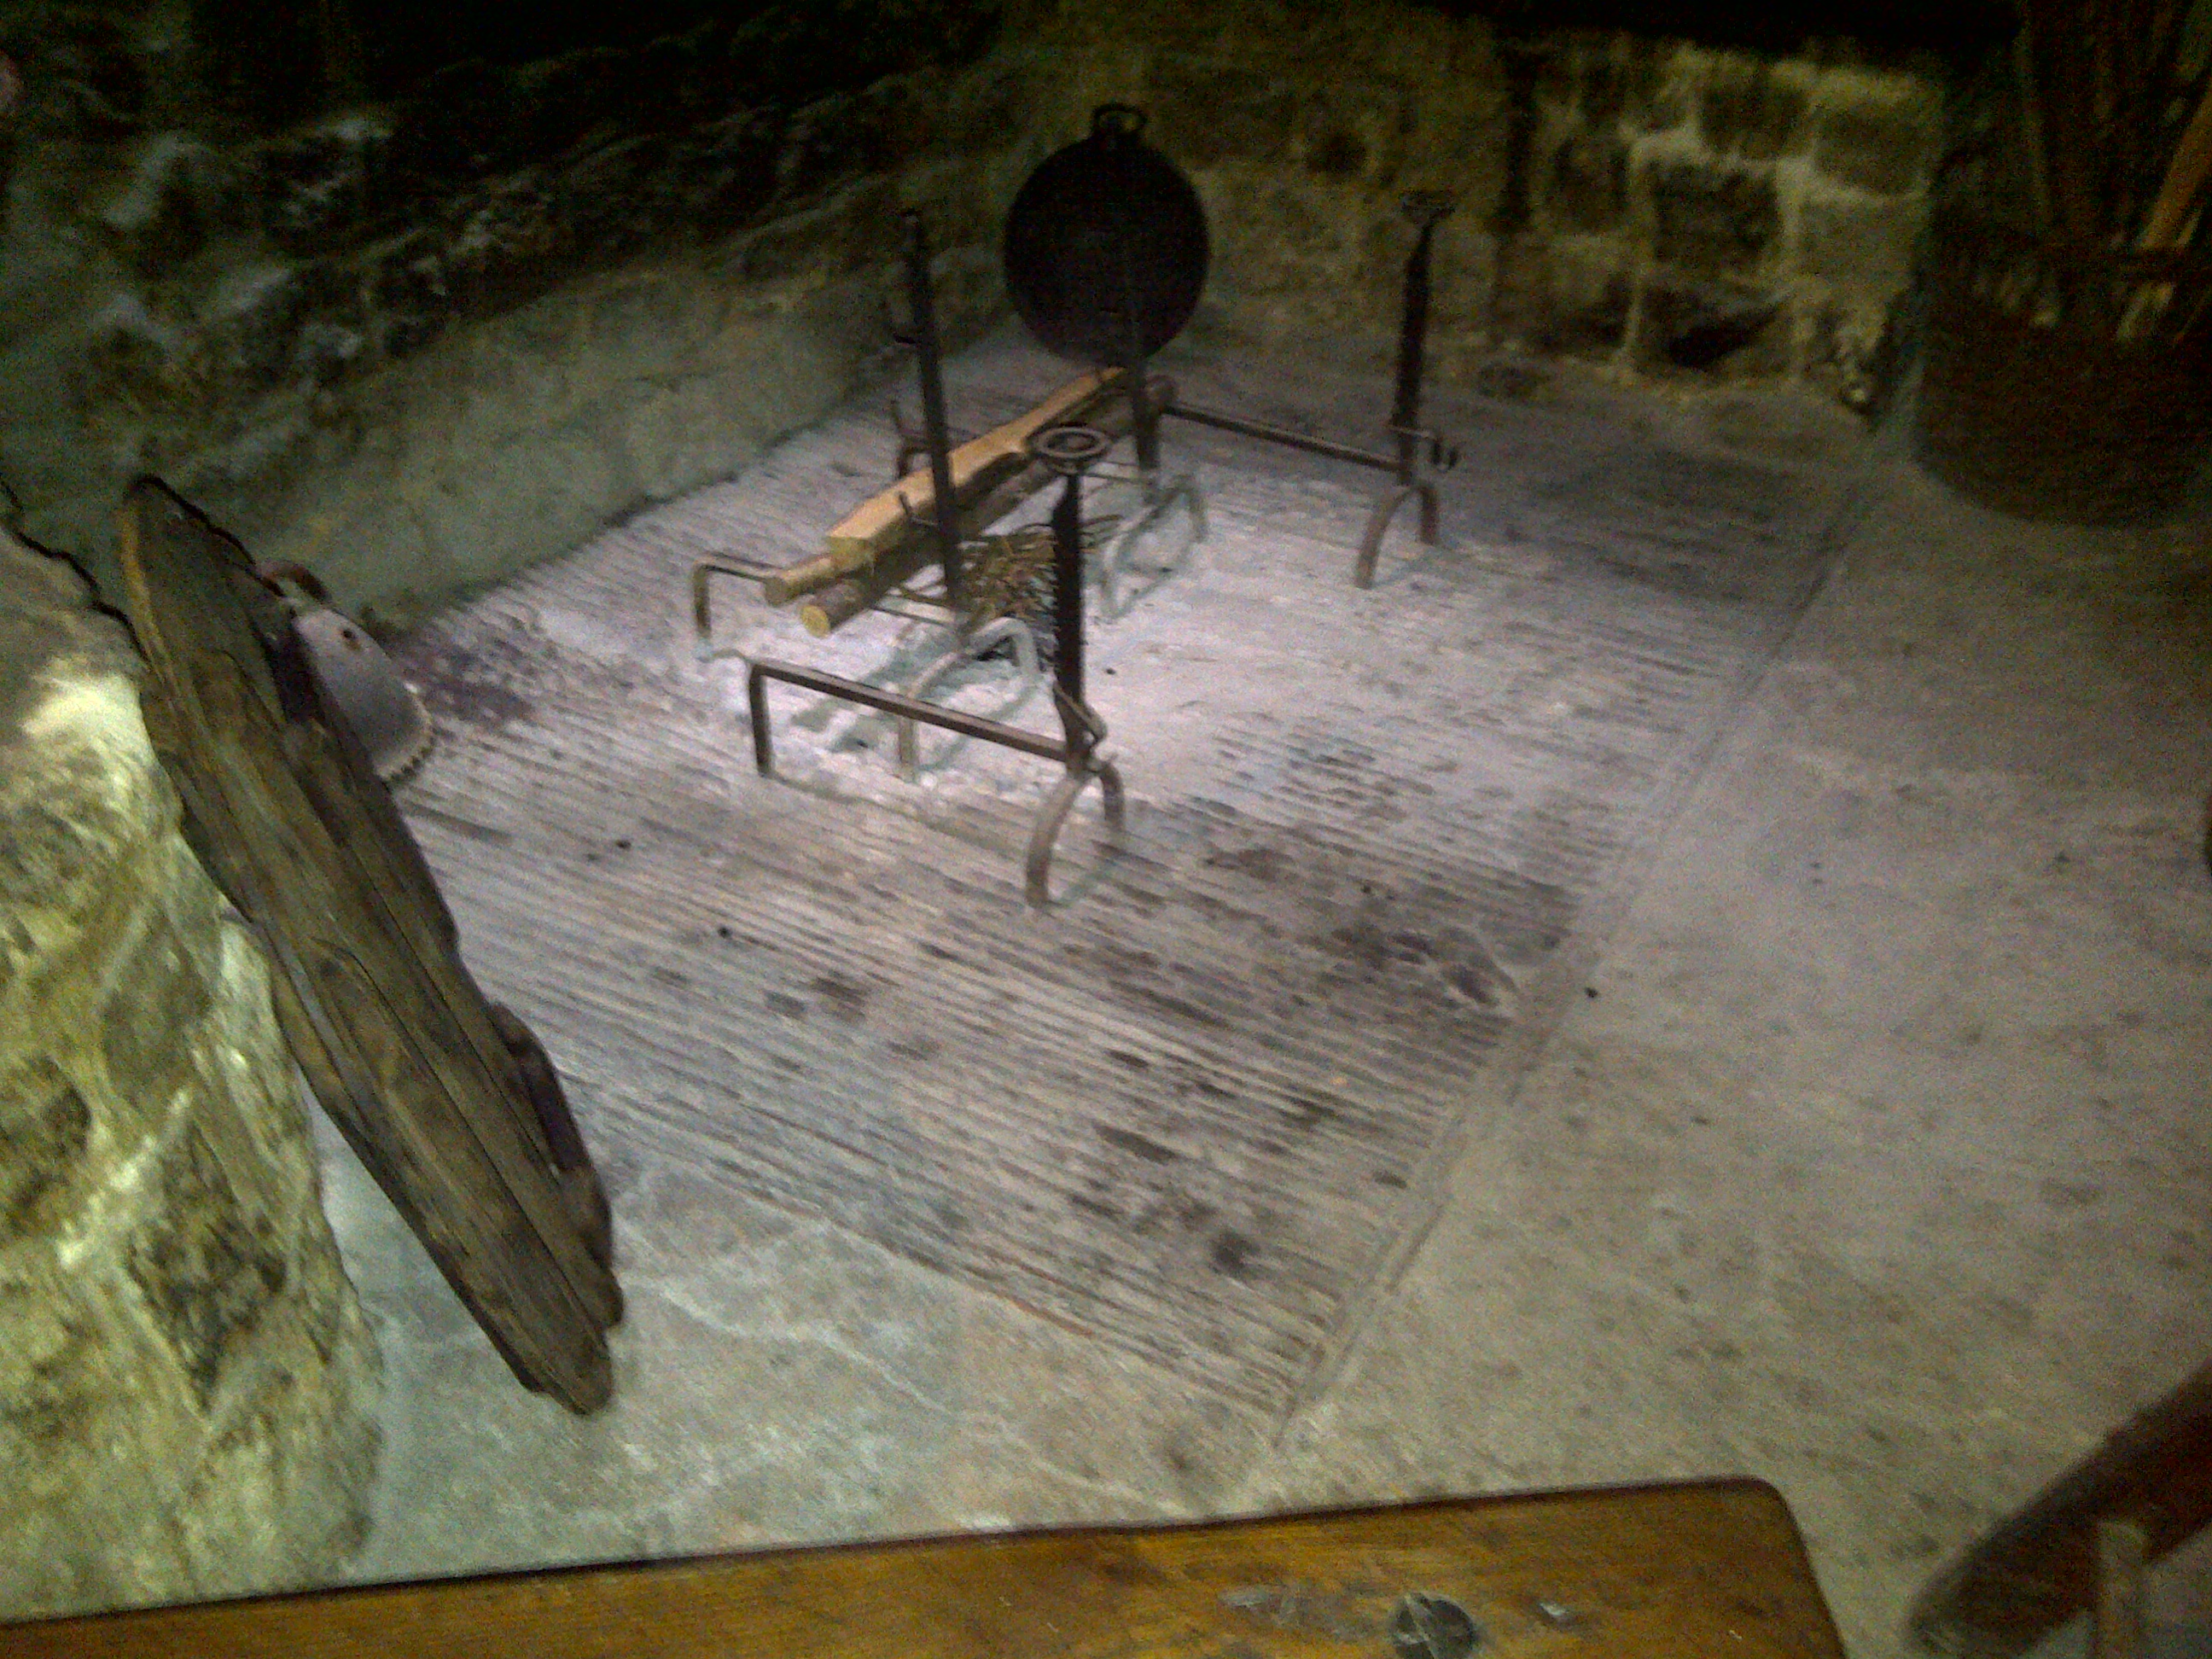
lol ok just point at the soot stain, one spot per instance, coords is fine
(1261, 863)
(1136, 1144)
(846, 998)
(1231, 1254)
(473, 684)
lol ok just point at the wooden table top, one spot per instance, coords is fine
(1709, 1568)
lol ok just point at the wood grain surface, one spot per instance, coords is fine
(1705, 1569)
(394, 1036)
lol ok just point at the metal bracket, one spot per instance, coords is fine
(1080, 758)
(1006, 630)
(703, 624)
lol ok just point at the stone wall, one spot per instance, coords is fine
(187, 1381)
(1671, 213)
(417, 299)
(415, 321)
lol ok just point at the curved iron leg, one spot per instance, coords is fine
(703, 620)
(1053, 813)
(1378, 521)
(1160, 502)
(983, 639)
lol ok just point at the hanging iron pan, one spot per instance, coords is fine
(1106, 246)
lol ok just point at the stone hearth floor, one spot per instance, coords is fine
(1873, 1160)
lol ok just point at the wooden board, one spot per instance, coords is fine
(883, 521)
(398, 1043)
(2038, 1568)
(1704, 1571)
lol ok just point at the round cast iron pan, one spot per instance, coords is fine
(1106, 246)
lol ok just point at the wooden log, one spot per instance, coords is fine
(1688, 1572)
(827, 609)
(831, 606)
(834, 603)
(884, 521)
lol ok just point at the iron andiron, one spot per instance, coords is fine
(1417, 451)
(1069, 452)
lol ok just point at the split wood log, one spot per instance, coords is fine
(835, 603)
(885, 521)
(830, 607)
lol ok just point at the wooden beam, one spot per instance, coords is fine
(1685, 1571)
(883, 521)
(826, 608)
(830, 607)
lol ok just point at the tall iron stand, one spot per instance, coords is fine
(1070, 451)
(1416, 452)
(943, 520)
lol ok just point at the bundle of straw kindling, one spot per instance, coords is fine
(2119, 124)
(2118, 97)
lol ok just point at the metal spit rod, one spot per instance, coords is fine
(765, 669)
(1423, 209)
(1279, 434)
(922, 312)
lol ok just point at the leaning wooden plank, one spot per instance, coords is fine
(433, 993)
(880, 523)
(291, 663)
(374, 847)
(485, 1201)
(1687, 1572)
(391, 1033)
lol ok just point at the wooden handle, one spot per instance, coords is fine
(2184, 180)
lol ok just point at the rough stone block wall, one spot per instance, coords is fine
(417, 299)
(186, 1382)
(1672, 213)
(416, 322)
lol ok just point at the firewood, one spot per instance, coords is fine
(2184, 183)
(883, 521)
